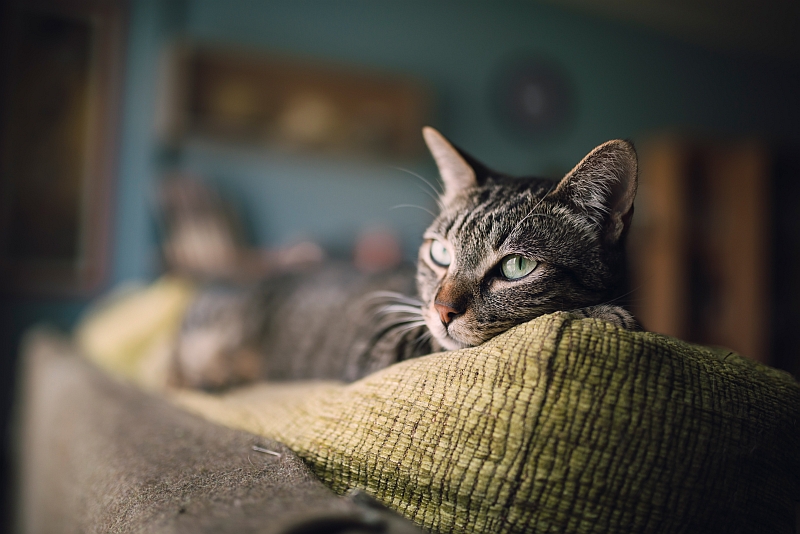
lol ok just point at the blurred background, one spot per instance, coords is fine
(294, 125)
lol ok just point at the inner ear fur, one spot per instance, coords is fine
(604, 185)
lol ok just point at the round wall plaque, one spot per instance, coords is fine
(533, 97)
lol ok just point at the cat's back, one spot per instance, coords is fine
(329, 321)
(320, 323)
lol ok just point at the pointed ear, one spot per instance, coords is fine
(604, 184)
(455, 170)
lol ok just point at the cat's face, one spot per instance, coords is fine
(505, 250)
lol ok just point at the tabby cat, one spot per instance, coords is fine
(501, 252)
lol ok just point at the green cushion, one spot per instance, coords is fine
(558, 425)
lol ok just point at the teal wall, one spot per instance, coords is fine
(627, 83)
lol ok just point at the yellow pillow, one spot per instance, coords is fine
(131, 332)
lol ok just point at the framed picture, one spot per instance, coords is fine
(250, 98)
(61, 67)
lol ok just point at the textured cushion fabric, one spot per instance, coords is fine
(559, 425)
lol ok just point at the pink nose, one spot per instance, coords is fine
(446, 312)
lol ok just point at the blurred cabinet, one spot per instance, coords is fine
(61, 68)
(701, 245)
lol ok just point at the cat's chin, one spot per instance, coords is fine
(448, 343)
(443, 338)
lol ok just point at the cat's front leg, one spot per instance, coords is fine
(206, 361)
(608, 312)
(214, 348)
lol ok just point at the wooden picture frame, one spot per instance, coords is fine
(254, 99)
(62, 71)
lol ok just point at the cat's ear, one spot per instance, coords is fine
(604, 184)
(455, 169)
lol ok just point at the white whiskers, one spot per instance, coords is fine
(407, 327)
(392, 297)
(401, 308)
(400, 313)
(414, 206)
(436, 195)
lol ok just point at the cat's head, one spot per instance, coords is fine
(505, 250)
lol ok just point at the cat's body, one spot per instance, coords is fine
(325, 322)
(501, 252)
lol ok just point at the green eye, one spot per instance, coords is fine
(515, 266)
(439, 254)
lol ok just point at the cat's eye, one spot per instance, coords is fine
(439, 253)
(516, 266)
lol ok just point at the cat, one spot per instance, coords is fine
(501, 251)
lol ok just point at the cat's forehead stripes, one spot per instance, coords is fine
(472, 204)
(477, 218)
(484, 219)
